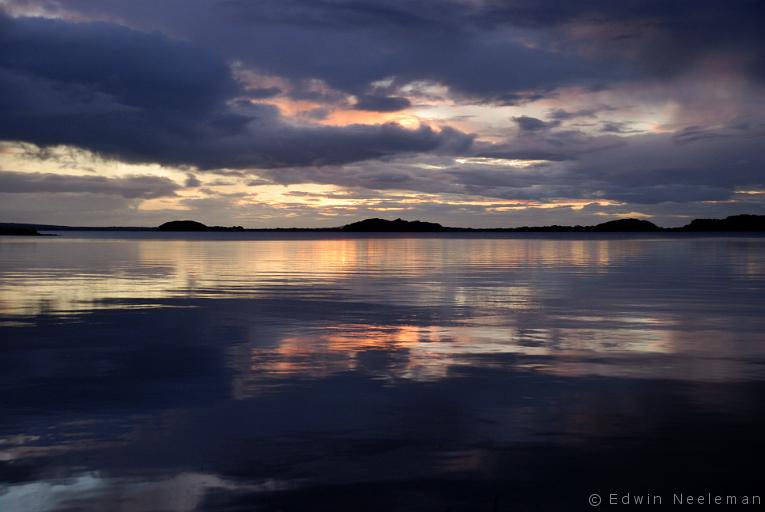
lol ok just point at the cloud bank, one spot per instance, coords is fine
(464, 111)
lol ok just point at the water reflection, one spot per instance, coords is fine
(647, 349)
(376, 374)
(66, 275)
(184, 492)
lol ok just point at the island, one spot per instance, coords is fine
(192, 225)
(626, 226)
(735, 223)
(393, 226)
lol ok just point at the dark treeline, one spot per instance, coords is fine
(735, 223)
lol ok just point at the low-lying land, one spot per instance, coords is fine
(735, 223)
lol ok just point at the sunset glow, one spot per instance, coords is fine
(366, 123)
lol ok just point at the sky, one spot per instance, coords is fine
(316, 113)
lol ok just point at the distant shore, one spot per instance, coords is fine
(6, 230)
(732, 224)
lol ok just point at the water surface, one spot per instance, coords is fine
(147, 372)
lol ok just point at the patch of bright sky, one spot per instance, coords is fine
(501, 162)
(69, 160)
(639, 109)
(237, 193)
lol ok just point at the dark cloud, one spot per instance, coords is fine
(560, 145)
(257, 182)
(107, 65)
(696, 133)
(349, 45)
(192, 181)
(662, 38)
(518, 98)
(532, 124)
(651, 169)
(131, 187)
(144, 97)
(476, 48)
(617, 127)
(264, 92)
(381, 103)
(641, 170)
(565, 115)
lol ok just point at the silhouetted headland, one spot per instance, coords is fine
(393, 226)
(18, 231)
(192, 225)
(626, 226)
(732, 224)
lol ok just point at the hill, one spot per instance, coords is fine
(192, 225)
(626, 226)
(403, 226)
(732, 223)
(392, 226)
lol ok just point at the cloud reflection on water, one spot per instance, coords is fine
(276, 369)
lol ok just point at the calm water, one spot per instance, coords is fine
(141, 373)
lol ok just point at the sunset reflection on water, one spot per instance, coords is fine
(79, 274)
(295, 369)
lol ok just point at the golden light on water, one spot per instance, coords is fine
(142, 274)
(157, 269)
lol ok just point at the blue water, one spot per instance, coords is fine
(254, 371)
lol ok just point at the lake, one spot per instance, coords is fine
(261, 371)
